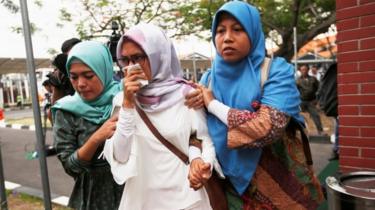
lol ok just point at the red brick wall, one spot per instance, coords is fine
(356, 83)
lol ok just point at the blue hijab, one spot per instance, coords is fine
(237, 85)
(96, 56)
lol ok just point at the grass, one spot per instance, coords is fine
(20, 201)
(26, 121)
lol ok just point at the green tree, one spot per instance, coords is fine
(13, 7)
(310, 17)
(178, 18)
(93, 18)
(10, 5)
(181, 18)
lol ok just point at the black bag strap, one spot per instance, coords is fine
(305, 141)
(182, 156)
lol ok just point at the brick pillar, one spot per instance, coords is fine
(356, 83)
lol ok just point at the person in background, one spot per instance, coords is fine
(47, 86)
(47, 99)
(315, 72)
(256, 130)
(328, 103)
(19, 101)
(68, 44)
(308, 87)
(58, 79)
(49, 150)
(118, 76)
(156, 179)
(82, 123)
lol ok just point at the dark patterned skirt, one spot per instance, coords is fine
(282, 180)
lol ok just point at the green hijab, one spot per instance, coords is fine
(96, 56)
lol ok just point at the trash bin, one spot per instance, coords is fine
(354, 191)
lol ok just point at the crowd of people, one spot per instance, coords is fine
(152, 140)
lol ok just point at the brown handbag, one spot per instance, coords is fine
(214, 185)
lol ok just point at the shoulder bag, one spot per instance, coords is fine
(293, 123)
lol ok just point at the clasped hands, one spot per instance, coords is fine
(199, 173)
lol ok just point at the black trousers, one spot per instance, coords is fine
(309, 106)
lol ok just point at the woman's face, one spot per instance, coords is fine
(85, 81)
(131, 54)
(231, 39)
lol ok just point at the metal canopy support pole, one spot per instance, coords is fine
(195, 70)
(35, 102)
(4, 203)
(295, 49)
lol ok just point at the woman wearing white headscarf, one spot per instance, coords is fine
(155, 177)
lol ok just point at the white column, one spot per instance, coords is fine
(19, 82)
(7, 91)
(11, 92)
(1, 98)
(27, 89)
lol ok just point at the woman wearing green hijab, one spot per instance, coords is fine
(82, 123)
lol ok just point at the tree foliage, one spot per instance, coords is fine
(178, 18)
(310, 17)
(10, 5)
(93, 18)
(13, 7)
(181, 18)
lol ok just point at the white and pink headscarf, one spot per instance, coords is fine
(167, 86)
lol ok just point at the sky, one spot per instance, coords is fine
(50, 36)
(12, 45)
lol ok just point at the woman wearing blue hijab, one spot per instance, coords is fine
(82, 123)
(254, 126)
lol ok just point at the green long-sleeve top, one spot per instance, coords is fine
(94, 187)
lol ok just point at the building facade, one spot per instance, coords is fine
(355, 21)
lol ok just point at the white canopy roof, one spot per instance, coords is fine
(18, 65)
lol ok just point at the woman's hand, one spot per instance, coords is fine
(87, 151)
(194, 99)
(106, 130)
(199, 173)
(131, 86)
(207, 95)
